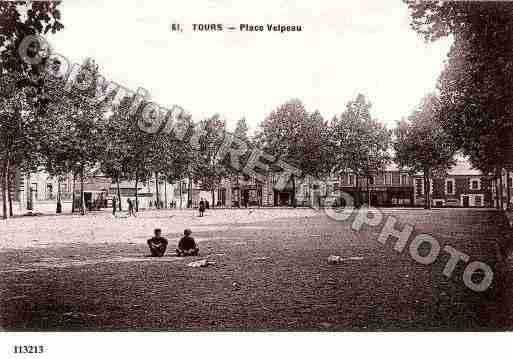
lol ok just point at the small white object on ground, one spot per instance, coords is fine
(353, 259)
(202, 263)
(333, 259)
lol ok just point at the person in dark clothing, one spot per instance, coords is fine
(187, 245)
(157, 244)
(114, 203)
(202, 207)
(130, 208)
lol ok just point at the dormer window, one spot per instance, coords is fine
(475, 184)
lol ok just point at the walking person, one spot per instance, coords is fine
(130, 208)
(114, 205)
(201, 207)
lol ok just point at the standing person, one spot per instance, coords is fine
(201, 207)
(130, 208)
(114, 205)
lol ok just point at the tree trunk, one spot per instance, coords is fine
(238, 190)
(28, 192)
(213, 198)
(82, 199)
(136, 194)
(189, 194)
(119, 194)
(501, 190)
(427, 190)
(4, 189)
(293, 177)
(368, 192)
(310, 198)
(59, 204)
(357, 191)
(496, 184)
(73, 199)
(10, 181)
(508, 189)
(157, 204)
(165, 193)
(181, 194)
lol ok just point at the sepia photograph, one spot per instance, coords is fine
(297, 168)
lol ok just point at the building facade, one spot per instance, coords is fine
(463, 186)
(388, 188)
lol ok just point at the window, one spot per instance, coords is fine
(404, 180)
(388, 178)
(449, 186)
(478, 201)
(475, 184)
(419, 185)
(350, 180)
(396, 179)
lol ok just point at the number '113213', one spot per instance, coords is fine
(28, 349)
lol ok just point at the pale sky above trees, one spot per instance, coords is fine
(345, 48)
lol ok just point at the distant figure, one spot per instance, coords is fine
(202, 207)
(151, 204)
(130, 208)
(157, 244)
(187, 245)
(207, 204)
(114, 205)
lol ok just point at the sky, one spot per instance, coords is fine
(344, 48)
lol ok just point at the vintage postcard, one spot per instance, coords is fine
(191, 172)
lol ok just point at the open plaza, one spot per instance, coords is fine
(268, 270)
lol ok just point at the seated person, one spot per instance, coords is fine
(157, 244)
(187, 245)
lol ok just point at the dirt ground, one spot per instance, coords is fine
(270, 273)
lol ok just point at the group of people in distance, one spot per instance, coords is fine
(203, 205)
(186, 246)
(130, 203)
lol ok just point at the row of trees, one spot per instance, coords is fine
(474, 102)
(44, 127)
(21, 91)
